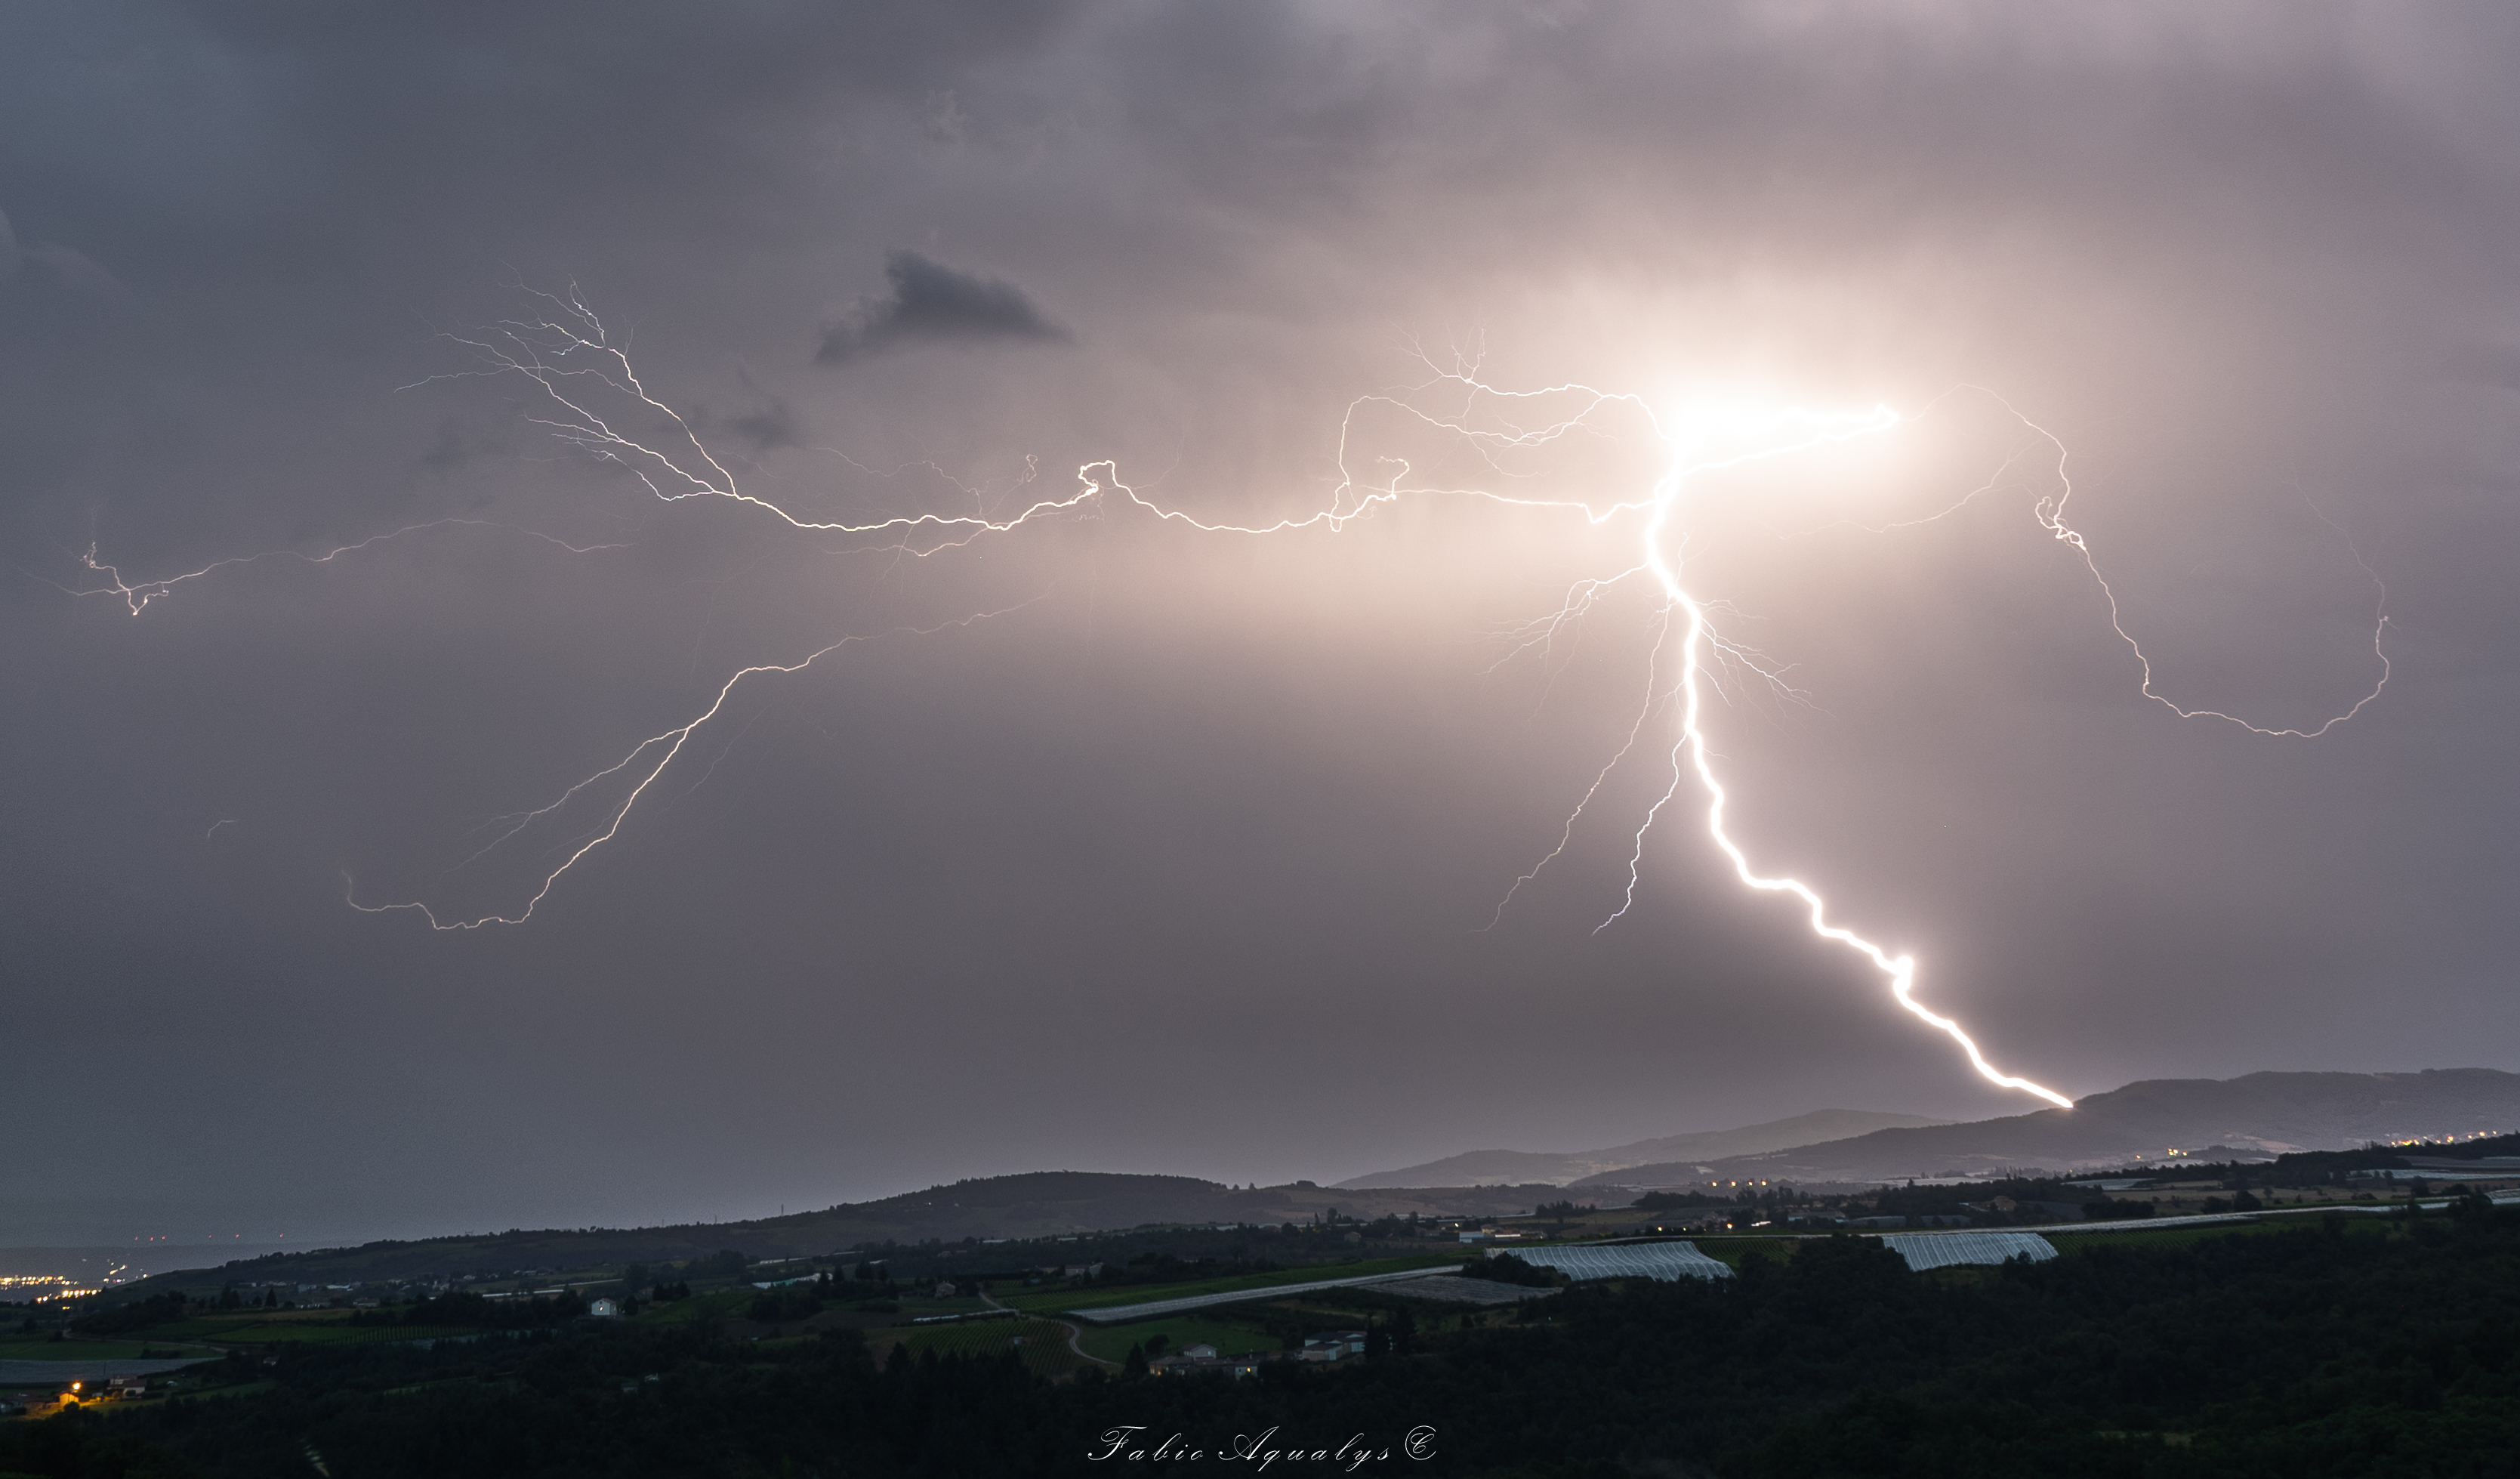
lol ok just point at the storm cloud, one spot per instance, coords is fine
(929, 300)
(1115, 844)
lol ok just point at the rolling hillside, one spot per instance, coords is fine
(1036, 1204)
(2258, 1115)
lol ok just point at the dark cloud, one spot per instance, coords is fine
(932, 302)
(770, 423)
(54, 265)
(1220, 816)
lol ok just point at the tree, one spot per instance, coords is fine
(1506, 1268)
(1404, 1332)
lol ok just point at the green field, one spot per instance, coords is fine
(2070, 1243)
(1043, 1342)
(342, 1334)
(700, 1307)
(214, 1325)
(276, 1328)
(40, 1349)
(917, 1306)
(1230, 1339)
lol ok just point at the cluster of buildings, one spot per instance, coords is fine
(77, 1393)
(1201, 1357)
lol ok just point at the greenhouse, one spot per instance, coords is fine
(1664, 1260)
(1944, 1250)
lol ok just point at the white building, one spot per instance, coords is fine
(1333, 1346)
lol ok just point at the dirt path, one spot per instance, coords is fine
(1076, 1333)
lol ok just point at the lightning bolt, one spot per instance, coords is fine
(646, 761)
(564, 350)
(2051, 514)
(1899, 970)
(1689, 752)
(138, 595)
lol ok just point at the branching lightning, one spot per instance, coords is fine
(138, 596)
(657, 752)
(565, 350)
(2051, 514)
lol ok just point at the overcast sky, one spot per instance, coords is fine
(1179, 859)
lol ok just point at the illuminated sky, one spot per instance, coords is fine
(1179, 862)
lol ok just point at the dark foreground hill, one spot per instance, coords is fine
(2380, 1345)
(2260, 1115)
(1037, 1204)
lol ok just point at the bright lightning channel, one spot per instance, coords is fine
(566, 352)
(1901, 970)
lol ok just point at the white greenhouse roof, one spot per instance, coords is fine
(1665, 1260)
(1943, 1250)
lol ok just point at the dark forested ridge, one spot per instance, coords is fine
(1031, 1205)
(2387, 1344)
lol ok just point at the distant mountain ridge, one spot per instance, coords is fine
(1028, 1205)
(1479, 1168)
(2263, 1114)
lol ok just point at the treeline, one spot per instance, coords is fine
(2466, 1150)
(1137, 1256)
(2349, 1347)
(866, 1289)
(157, 1310)
(1506, 1268)
(2035, 1200)
(162, 1308)
(2327, 1168)
(1665, 1201)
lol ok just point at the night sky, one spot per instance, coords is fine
(1179, 861)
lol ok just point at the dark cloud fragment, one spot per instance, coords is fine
(930, 301)
(60, 264)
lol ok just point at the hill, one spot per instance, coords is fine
(1486, 1167)
(2260, 1115)
(1035, 1204)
